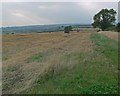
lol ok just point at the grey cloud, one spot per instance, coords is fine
(27, 13)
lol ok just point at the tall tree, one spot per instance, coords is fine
(104, 19)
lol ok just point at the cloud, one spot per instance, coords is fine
(42, 7)
(28, 13)
(18, 14)
(88, 5)
(60, 0)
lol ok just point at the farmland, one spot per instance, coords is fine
(79, 62)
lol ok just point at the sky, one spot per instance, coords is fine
(119, 12)
(39, 13)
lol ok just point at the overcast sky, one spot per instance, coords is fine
(34, 13)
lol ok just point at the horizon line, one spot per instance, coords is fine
(46, 24)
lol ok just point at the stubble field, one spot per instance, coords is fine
(83, 62)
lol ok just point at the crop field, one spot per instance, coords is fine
(49, 63)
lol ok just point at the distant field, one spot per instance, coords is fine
(83, 62)
(42, 28)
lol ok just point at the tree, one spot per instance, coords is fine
(104, 19)
(67, 29)
(118, 27)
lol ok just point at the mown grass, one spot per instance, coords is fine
(93, 73)
(108, 47)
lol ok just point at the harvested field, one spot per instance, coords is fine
(35, 63)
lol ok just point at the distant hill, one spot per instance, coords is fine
(39, 28)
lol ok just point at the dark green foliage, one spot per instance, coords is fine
(104, 19)
(67, 29)
(118, 27)
(112, 28)
(12, 33)
(78, 30)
